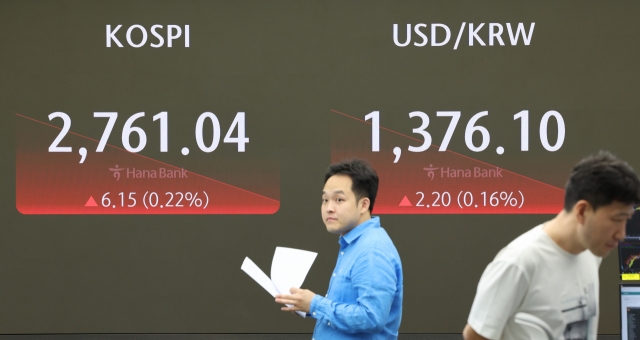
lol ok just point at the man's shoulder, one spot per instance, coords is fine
(524, 248)
(377, 235)
(377, 239)
(530, 236)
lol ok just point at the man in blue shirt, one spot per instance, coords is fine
(364, 300)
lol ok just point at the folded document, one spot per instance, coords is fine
(289, 268)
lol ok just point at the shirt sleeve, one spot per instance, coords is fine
(593, 325)
(501, 290)
(374, 278)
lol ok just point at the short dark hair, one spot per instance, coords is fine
(363, 177)
(601, 179)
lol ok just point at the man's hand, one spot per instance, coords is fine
(299, 299)
(470, 334)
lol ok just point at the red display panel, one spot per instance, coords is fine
(117, 181)
(434, 182)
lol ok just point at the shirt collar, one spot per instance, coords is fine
(352, 235)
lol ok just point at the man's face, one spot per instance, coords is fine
(605, 227)
(340, 210)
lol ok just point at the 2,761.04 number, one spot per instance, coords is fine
(237, 124)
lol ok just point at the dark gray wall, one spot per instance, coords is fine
(287, 64)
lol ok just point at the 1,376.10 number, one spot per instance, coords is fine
(472, 128)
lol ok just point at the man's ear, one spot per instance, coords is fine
(580, 209)
(364, 204)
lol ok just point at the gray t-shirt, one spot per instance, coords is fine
(534, 275)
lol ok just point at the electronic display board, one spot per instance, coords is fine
(629, 249)
(151, 145)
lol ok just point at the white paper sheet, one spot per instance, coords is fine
(289, 268)
(259, 276)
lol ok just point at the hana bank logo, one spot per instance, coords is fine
(161, 173)
(430, 171)
(116, 172)
(475, 172)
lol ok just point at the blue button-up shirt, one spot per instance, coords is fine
(365, 292)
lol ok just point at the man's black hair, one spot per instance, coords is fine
(363, 177)
(601, 179)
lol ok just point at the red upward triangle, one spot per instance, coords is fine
(91, 202)
(405, 202)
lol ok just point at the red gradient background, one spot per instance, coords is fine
(351, 137)
(55, 183)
